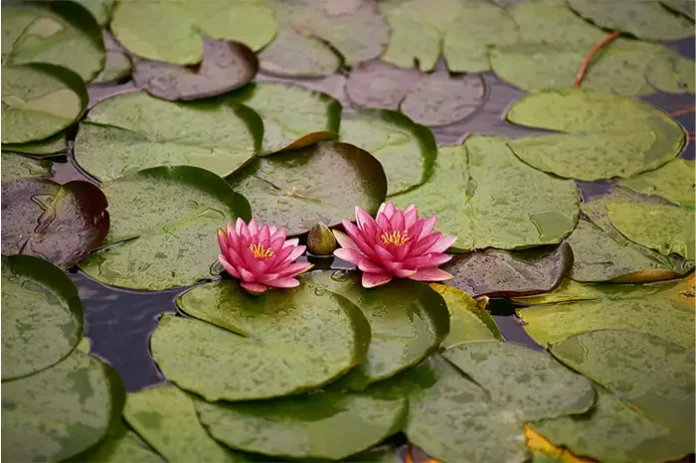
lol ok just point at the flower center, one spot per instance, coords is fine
(396, 238)
(260, 252)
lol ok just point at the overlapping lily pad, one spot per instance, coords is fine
(674, 181)
(131, 132)
(16, 166)
(61, 223)
(486, 197)
(280, 343)
(377, 84)
(605, 135)
(41, 316)
(671, 73)
(100, 9)
(406, 150)
(293, 117)
(38, 101)
(120, 446)
(118, 67)
(54, 144)
(297, 189)
(163, 223)
(60, 412)
(162, 30)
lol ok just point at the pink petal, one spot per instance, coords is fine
(382, 254)
(397, 221)
(246, 275)
(278, 234)
(233, 258)
(414, 230)
(295, 269)
(280, 256)
(424, 244)
(251, 263)
(427, 260)
(428, 225)
(370, 280)
(344, 241)
(381, 208)
(243, 230)
(349, 255)
(264, 236)
(223, 240)
(238, 226)
(234, 240)
(367, 266)
(383, 222)
(293, 242)
(228, 267)
(273, 229)
(443, 244)
(404, 273)
(296, 252)
(362, 217)
(253, 227)
(254, 288)
(431, 274)
(284, 283)
(389, 209)
(358, 238)
(277, 243)
(400, 252)
(398, 269)
(410, 215)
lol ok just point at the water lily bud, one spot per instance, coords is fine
(321, 241)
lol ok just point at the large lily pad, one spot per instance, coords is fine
(671, 72)
(41, 316)
(258, 353)
(606, 135)
(120, 446)
(330, 425)
(135, 131)
(162, 30)
(59, 412)
(163, 224)
(377, 84)
(406, 150)
(60, 33)
(165, 417)
(498, 273)
(15, 166)
(54, 144)
(38, 101)
(408, 321)
(674, 181)
(297, 189)
(293, 117)
(61, 223)
(483, 195)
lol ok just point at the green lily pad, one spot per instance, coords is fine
(468, 321)
(165, 417)
(671, 73)
(118, 66)
(297, 189)
(293, 117)
(406, 150)
(606, 135)
(60, 412)
(331, 425)
(120, 446)
(55, 144)
(666, 229)
(408, 321)
(38, 101)
(486, 197)
(162, 30)
(163, 224)
(15, 166)
(41, 316)
(652, 375)
(377, 84)
(685, 7)
(498, 273)
(59, 33)
(226, 66)
(646, 19)
(100, 9)
(255, 340)
(61, 223)
(674, 181)
(135, 131)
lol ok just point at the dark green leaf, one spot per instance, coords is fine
(55, 144)
(674, 181)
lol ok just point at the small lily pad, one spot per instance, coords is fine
(135, 131)
(55, 144)
(61, 223)
(15, 166)
(225, 66)
(674, 181)
(118, 67)
(297, 189)
(377, 84)
(41, 316)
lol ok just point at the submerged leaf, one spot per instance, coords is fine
(674, 181)
(15, 166)
(377, 84)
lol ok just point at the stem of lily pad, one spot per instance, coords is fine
(588, 58)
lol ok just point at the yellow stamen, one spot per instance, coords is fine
(396, 238)
(260, 252)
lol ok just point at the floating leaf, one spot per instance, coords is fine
(60, 33)
(162, 30)
(54, 144)
(331, 425)
(377, 84)
(166, 418)
(406, 150)
(41, 316)
(497, 273)
(135, 131)
(60, 412)
(258, 353)
(120, 446)
(163, 224)
(225, 66)
(297, 189)
(61, 223)
(483, 195)
(468, 322)
(292, 116)
(15, 166)
(118, 66)
(674, 181)
(100, 9)
(606, 135)
(544, 451)
(39, 100)
(408, 321)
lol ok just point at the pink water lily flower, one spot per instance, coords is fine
(260, 257)
(396, 244)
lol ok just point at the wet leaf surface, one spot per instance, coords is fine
(61, 223)
(225, 66)
(377, 84)
(276, 344)
(674, 182)
(496, 273)
(127, 133)
(15, 166)
(120, 446)
(41, 317)
(293, 189)
(486, 197)
(163, 224)
(55, 144)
